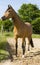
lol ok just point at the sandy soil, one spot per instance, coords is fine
(31, 57)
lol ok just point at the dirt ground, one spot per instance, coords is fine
(31, 57)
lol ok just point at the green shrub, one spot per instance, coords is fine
(36, 25)
(6, 25)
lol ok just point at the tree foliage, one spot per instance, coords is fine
(28, 12)
(36, 25)
(7, 25)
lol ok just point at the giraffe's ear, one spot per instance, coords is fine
(9, 6)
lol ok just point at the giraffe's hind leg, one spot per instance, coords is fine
(30, 43)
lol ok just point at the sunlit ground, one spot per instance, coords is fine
(3, 43)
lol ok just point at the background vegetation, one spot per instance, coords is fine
(27, 13)
(30, 13)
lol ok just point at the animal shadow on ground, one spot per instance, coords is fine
(11, 52)
(32, 54)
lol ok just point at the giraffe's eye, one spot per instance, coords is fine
(9, 11)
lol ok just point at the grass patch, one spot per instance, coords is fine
(36, 35)
(8, 34)
(3, 44)
(3, 54)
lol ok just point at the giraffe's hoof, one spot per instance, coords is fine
(22, 56)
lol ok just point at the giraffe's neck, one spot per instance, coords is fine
(17, 20)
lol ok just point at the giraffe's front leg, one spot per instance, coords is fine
(16, 48)
(23, 46)
(16, 44)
